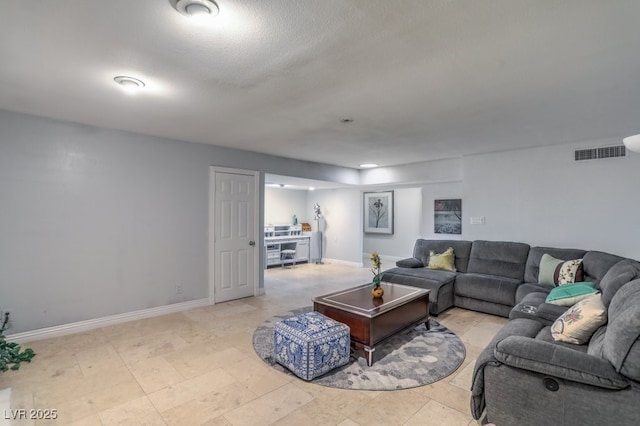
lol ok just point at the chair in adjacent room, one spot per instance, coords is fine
(288, 253)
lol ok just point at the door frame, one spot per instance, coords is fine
(212, 231)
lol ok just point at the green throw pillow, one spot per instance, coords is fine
(569, 294)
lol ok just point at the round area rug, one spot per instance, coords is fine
(415, 358)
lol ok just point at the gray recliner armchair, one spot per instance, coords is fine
(524, 377)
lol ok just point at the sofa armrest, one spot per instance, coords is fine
(558, 361)
(550, 312)
(411, 262)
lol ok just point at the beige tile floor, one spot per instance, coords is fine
(199, 367)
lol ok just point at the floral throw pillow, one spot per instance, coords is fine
(580, 321)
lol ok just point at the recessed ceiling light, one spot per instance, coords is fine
(346, 120)
(311, 188)
(368, 165)
(129, 84)
(197, 8)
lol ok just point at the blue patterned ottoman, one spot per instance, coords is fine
(311, 344)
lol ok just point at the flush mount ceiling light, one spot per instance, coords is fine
(197, 8)
(368, 165)
(632, 143)
(130, 84)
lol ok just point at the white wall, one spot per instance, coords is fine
(280, 204)
(413, 220)
(97, 222)
(341, 223)
(542, 197)
(407, 224)
(539, 196)
(439, 191)
(416, 187)
(428, 172)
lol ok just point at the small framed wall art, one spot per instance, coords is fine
(378, 212)
(447, 216)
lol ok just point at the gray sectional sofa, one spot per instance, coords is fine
(525, 376)
(491, 276)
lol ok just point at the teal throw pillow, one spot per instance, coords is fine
(570, 294)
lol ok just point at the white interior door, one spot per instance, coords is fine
(234, 235)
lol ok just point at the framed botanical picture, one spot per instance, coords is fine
(447, 216)
(378, 212)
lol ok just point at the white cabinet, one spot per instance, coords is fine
(271, 254)
(302, 250)
(282, 230)
(273, 247)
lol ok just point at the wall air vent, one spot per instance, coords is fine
(600, 153)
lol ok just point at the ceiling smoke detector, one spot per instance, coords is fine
(197, 8)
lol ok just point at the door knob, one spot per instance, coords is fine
(252, 243)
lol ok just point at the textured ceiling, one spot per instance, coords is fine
(421, 79)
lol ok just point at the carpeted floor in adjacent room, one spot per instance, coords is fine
(199, 367)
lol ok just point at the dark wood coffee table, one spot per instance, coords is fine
(373, 321)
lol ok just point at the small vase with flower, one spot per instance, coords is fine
(377, 289)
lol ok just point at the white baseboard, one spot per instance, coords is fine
(342, 262)
(80, 326)
(388, 262)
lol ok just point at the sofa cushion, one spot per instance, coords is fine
(439, 282)
(411, 262)
(422, 273)
(595, 265)
(596, 343)
(461, 251)
(563, 364)
(619, 274)
(535, 255)
(525, 289)
(534, 298)
(444, 261)
(545, 335)
(498, 258)
(548, 313)
(570, 294)
(621, 343)
(489, 288)
(579, 322)
(557, 271)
